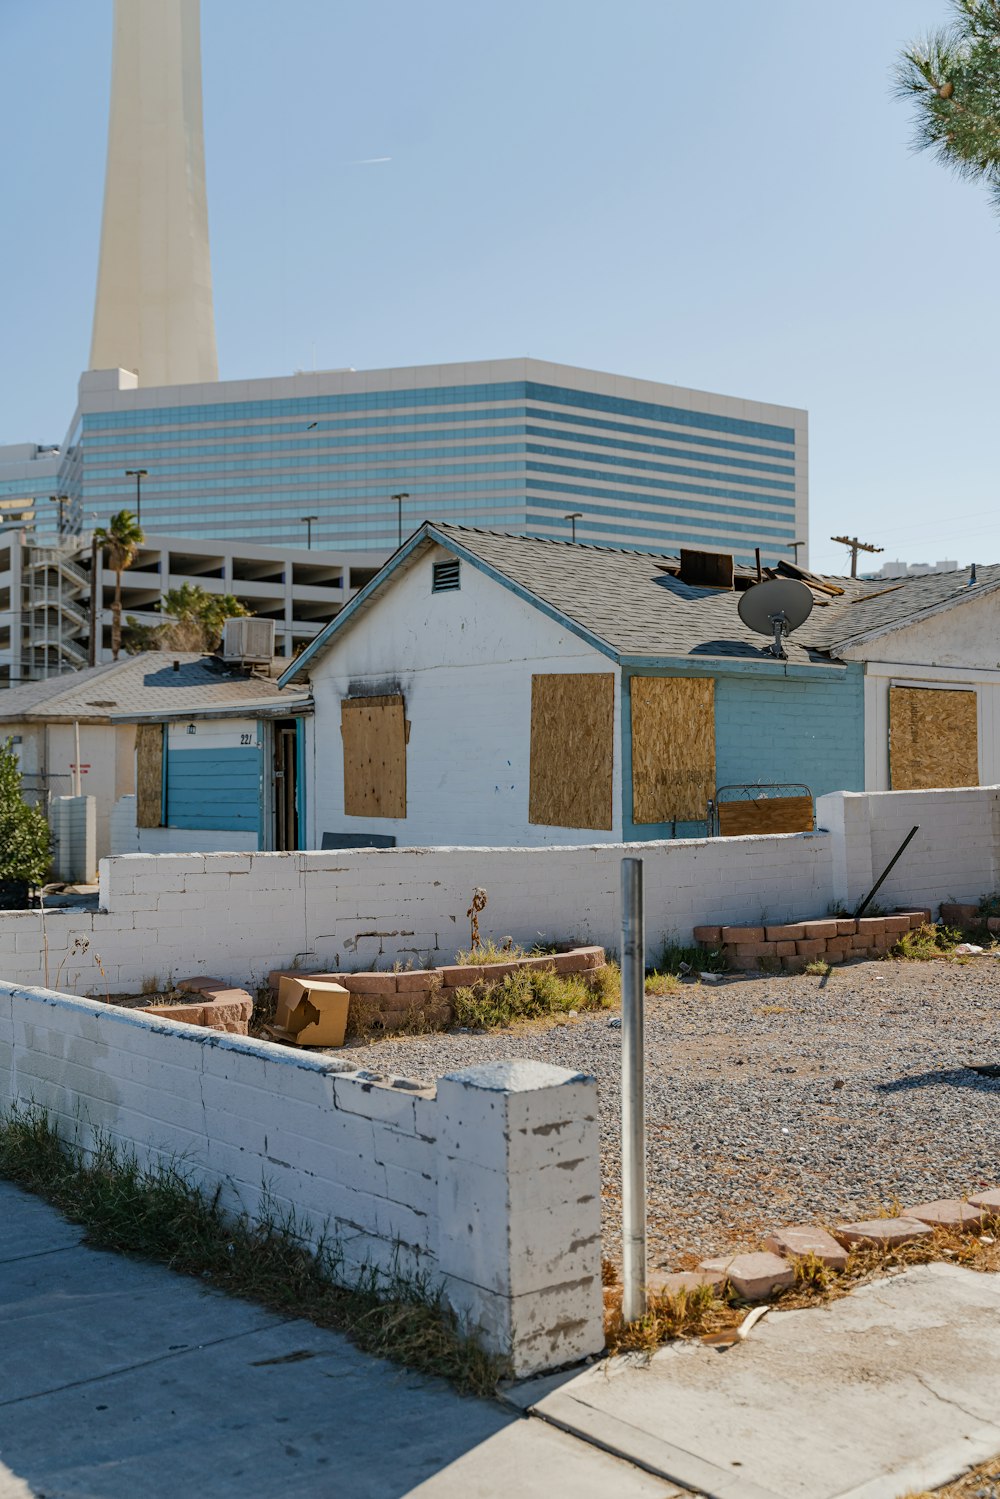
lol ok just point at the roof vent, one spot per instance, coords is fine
(706, 569)
(446, 577)
(972, 575)
(248, 641)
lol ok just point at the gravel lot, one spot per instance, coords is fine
(775, 1100)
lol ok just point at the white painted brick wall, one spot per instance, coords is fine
(238, 915)
(491, 1187)
(954, 855)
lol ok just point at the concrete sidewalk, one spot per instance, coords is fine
(891, 1390)
(120, 1379)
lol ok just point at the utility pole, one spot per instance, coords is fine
(856, 546)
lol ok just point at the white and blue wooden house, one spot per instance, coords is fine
(181, 752)
(508, 690)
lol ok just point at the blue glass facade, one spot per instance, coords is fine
(513, 454)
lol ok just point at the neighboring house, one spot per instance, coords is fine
(493, 689)
(181, 752)
(930, 647)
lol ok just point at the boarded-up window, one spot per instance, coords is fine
(572, 750)
(765, 814)
(933, 738)
(149, 775)
(374, 734)
(673, 748)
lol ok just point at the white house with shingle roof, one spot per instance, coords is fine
(180, 751)
(495, 689)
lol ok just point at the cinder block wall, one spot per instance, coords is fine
(237, 916)
(489, 1184)
(956, 848)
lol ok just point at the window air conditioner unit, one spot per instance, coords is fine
(248, 641)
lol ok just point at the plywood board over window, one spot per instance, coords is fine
(673, 748)
(765, 814)
(933, 738)
(374, 735)
(149, 775)
(572, 750)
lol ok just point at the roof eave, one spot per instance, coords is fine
(974, 591)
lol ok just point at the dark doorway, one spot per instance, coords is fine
(286, 820)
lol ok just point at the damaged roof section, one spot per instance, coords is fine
(637, 606)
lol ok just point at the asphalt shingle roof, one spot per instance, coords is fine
(627, 599)
(141, 685)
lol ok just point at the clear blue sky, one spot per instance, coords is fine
(720, 196)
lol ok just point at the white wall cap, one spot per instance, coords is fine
(515, 1077)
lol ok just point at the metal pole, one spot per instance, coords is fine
(76, 772)
(633, 1093)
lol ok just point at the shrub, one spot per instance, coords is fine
(24, 833)
(532, 993)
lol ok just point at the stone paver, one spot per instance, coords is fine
(661, 1283)
(753, 1276)
(802, 1239)
(886, 1233)
(948, 1212)
(988, 1200)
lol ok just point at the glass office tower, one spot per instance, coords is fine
(516, 445)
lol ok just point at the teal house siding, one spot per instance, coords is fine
(808, 730)
(213, 788)
(769, 727)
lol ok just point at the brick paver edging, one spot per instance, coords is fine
(793, 944)
(393, 1000)
(759, 1275)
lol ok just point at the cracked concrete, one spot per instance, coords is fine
(895, 1388)
(119, 1378)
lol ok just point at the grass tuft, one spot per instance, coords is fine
(161, 1215)
(818, 968)
(504, 951)
(685, 1314)
(660, 985)
(533, 993)
(698, 959)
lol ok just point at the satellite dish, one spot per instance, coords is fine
(776, 608)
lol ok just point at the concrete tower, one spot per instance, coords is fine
(154, 287)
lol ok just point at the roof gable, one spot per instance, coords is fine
(628, 606)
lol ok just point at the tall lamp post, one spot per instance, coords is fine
(60, 500)
(307, 521)
(573, 517)
(138, 474)
(399, 498)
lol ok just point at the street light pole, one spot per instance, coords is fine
(573, 517)
(138, 474)
(307, 521)
(399, 498)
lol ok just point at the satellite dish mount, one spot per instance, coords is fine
(776, 608)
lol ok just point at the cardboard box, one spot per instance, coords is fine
(311, 1012)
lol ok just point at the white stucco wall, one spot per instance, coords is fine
(463, 662)
(960, 647)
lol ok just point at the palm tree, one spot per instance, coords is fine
(954, 77)
(120, 541)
